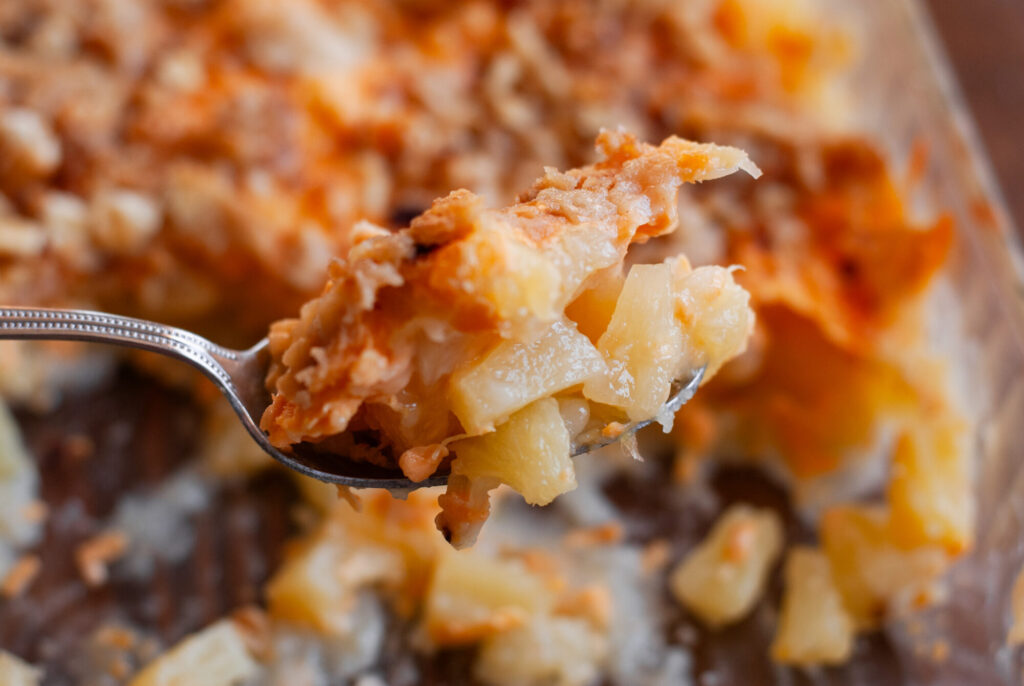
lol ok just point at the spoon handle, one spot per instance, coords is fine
(98, 327)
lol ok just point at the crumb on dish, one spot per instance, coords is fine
(94, 556)
(20, 576)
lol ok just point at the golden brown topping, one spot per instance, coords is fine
(28, 144)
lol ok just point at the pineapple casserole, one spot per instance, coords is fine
(226, 165)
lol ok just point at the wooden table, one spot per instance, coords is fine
(985, 42)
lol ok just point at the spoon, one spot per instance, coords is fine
(240, 376)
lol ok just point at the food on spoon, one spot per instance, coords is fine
(452, 335)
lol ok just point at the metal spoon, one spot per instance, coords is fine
(240, 376)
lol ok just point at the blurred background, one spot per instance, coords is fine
(985, 42)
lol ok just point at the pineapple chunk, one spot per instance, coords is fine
(472, 596)
(515, 374)
(643, 345)
(549, 651)
(529, 452)
(306, 590)
(814, 627)
(215, 656)
(583, 251)
(930, 490)
(15, 672)
(389, 543)
(723, 577)
(593, 308)
(403, 526)
(715, 314)
(869, 569)
(317, 587)
(515, 279)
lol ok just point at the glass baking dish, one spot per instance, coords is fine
(907, 99)
(911, 99)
